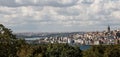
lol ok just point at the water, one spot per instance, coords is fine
(32, 38)
(84, 47)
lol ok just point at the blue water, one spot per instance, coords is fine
(84, 47)
(32, 38)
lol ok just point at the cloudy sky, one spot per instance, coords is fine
(59, 15)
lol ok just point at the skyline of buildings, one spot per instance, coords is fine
(108, 37)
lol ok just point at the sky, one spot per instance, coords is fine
(59, 15)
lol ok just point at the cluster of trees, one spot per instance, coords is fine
(103, 51)
(10, 46)
(49, 50)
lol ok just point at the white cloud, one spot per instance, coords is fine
(59, 13)
(116, 14)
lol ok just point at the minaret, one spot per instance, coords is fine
(108, 29)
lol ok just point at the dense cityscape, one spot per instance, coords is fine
(106, 37)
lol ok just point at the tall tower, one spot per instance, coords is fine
(108, 29)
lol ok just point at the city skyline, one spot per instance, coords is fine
(59, 15)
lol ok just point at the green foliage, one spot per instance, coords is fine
(94, 51)
(25, 51)
(103, 51)
(39, 51)
(6, 33)
(8, 43)
(63, 50)
(56, 50)
(112, 51)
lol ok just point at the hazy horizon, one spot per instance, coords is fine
(59, 15)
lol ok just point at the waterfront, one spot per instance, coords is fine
(36, 38)
(84, 47)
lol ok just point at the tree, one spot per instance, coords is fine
(6, 33)
(25, 51)
(103, 51)
(112, 51)
(39, 51)
(95, 51)
(8, 43)
(63, 50)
